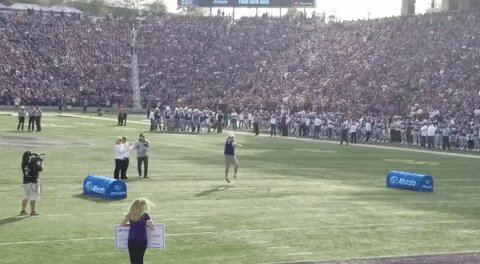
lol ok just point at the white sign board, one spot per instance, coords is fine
(156, 238)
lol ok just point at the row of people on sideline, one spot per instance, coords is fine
(427, 131)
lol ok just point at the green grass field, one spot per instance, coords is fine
(294, 200)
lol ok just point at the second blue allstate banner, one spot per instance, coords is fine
(410, 180)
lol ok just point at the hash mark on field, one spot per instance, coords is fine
(257, 242)
(203, 227)
(281, 247)
(55, 215)
(186, 223)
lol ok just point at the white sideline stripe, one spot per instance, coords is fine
(366, 145)
(250, 230)
(432, 254)
(300, 253)
(103, 118)
(55, 240)
(257, 242)
(280, 247)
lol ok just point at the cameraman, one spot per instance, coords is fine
(32, 165)
(142, 146)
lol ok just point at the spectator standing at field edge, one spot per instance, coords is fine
(21, 117)
(138, 220)
(142, 146)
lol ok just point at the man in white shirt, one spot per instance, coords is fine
(233, 119)
(241, 120)
(368, 130)
(273, 125)
(353, 132)
(423, 134)
(431, 130)
(344, 134)
(316, 129)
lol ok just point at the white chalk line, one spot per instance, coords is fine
(253, 231)
(279, 247)
(258, 242)
(276, 208)
(432, 254)
(300, 253)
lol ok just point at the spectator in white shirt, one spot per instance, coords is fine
(423, 135)
(368, 130)
(431, 130)
(273, 125)
(353, 132)
(316, 129)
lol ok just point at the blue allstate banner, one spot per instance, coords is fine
(104, 187)
(410, 180)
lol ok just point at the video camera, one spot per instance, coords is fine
(37, 157)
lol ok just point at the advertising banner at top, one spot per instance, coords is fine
(247, 3)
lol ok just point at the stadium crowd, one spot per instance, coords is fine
(396, 74)
(46, 59)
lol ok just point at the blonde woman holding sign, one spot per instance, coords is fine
(138, 220)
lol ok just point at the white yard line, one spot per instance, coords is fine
(258, 242)
(279, 247)
(252, 230)
(300, 253)
(373, 258)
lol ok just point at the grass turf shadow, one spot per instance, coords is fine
(219, 188)
(93, 199)
(12, 219)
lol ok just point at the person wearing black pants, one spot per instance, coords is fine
(31, 119)
(120, 150)
(126, 159)
(284, 126)
(345, 128)
(38, 119)
(142, 146)
(21, 117)
(139, 220)
(219, 122)
(256, 120)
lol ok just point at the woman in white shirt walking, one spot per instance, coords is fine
(120, 150)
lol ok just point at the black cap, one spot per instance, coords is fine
(141, 135)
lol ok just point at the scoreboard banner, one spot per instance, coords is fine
(247, 3)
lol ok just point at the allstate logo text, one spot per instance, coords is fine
(98, 190)
(406, 182)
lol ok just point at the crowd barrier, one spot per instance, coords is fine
(410, 181)
(104, 187)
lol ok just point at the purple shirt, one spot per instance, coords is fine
(138, 230)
